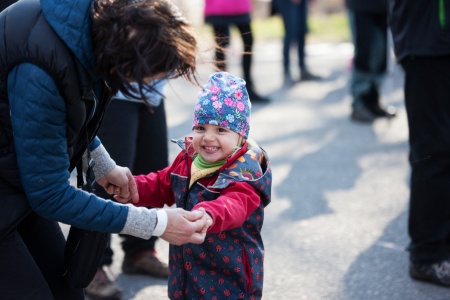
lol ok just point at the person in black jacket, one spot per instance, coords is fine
(60, 62)
(145, 149)
(421, 33)
(369, 26)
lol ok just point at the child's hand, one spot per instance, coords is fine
(185, 226)
(209, 221)
(120, 182)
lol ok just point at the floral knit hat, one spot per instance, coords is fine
(224, 101)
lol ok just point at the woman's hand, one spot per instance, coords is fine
(120, 182)
(186, 226)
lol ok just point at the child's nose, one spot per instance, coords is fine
(209, 136)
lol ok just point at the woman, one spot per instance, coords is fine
(60, 62)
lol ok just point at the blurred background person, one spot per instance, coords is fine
(222, 14)
(369, 25)
(294, 14)
(142, 130)
(421, 33)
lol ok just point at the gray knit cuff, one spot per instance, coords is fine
(140, 222)
(103, 162)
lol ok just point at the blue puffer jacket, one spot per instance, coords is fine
(39, 123)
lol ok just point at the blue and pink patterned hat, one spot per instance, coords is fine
(224, 101)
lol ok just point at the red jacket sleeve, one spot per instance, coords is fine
(234, 205)
(154, 188)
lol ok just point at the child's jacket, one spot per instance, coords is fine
(229, 264)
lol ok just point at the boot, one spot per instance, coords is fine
(305, 75)
(288, 81)
(102, 288)
(145, 263)
(372, 102)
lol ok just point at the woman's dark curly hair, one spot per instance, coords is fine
(135, 39)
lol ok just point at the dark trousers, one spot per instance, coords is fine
(135, 138)
(222, 37)
(427, 99)
(32, 262)
(369, 31)
(295, 23)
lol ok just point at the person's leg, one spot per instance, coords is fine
(301, 11)
(290, 26)
(362, 29)
(32, 262)
(245, 31)
(46, 243)
(302, 17)
(360, 77)
(428, 110)
(222, 38)
(378, 50)
(152, 154)
(377, 64)
(118, 134)
(18, 266)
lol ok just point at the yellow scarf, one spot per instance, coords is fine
(200, 168)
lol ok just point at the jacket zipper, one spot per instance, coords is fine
(182, 246)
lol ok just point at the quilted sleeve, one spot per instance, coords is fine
(38, 117)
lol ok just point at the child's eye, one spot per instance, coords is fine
(220, 129)
(199, 128)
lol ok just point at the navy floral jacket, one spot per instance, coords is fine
(229, 264)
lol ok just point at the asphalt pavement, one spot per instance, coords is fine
(337, 225)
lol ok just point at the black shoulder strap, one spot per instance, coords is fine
(5, 3)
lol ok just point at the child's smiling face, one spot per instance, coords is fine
(214, 142)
